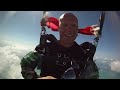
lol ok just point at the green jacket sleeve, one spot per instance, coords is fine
(28, 65)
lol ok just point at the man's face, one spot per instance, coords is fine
(68, 29)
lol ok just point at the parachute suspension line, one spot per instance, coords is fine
(95, 41)
(101, 22)
(42, 42)
(43, 30)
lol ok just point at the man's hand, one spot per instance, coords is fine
(47, 77)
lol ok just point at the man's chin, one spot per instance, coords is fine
(69, 37)
(69, 41)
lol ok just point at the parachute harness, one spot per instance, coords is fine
(43, 39)
(96, 39)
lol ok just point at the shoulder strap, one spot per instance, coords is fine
(50, 38)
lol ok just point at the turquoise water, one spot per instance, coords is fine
(108, 75)
(105, 71)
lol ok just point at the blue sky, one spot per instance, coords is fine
(24, 27)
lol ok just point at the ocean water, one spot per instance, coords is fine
(108, 75)
(105, 71)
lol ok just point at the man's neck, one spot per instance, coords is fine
(67, 45)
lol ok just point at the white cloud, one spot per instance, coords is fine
(106, 58)
(5, 43)
(115, 66)
(10, 57)
(111, 59)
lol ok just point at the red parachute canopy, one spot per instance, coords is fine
(53, 24)
(86, 31)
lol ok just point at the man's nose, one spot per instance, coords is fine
(69, 28)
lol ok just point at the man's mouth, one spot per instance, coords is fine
(69, 35)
